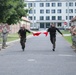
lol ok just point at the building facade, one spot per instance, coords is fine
(42, 13)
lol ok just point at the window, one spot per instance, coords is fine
(30, 5)
(71, 4)
(59, 24)
(41, 11)
(34, 11)
(41, 17)
(75, 3)
(30, 12)
(66, 17)
(66, 11)
(53, 17)
(34, 17)
(47, 4)
(59, 11)
(53, 4)
(41, 25)
(66, 4)
(70, 17)
(59, 17)
(53, 11)
(47, 11)
(34, 4)
(30, 17)
(47, 17)
(70, 10)
(69, 24)
(75, 10)
(59, 4)
(41, 4)
(47, 25)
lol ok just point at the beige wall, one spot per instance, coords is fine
(14, 28)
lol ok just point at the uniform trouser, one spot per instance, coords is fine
(72, 37)
(22, 41)
(4, 40)
(53, 40)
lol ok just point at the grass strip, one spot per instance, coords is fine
(14, 36)
(68, 38)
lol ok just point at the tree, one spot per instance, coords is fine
(4, 10)
(11, 11)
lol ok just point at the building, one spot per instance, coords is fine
(14, 28)
(44, 12)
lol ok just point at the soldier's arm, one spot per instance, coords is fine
(19, 32)
(48, 30)
(59, 31)
(28, 31)
(74, 31)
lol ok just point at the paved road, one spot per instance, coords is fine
(38, 58)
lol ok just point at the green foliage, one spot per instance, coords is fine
(11, 11)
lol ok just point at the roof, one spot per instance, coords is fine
(73, 19)
(25, 19)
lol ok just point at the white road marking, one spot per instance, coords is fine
(31, 60)
(65, 55)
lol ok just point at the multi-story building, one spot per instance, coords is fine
(44, 12)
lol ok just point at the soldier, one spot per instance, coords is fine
(4, 36)
(52, 31)
(22, 34)
(72, 34)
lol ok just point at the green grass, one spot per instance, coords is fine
(12, 37)
(68, 38)
(15, 36)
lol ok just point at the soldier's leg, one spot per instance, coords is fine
(3, 42)
(51, 39)
(23, 43)
(54, 45)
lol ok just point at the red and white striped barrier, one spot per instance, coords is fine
(38, 33)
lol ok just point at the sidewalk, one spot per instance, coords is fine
(67, 34)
